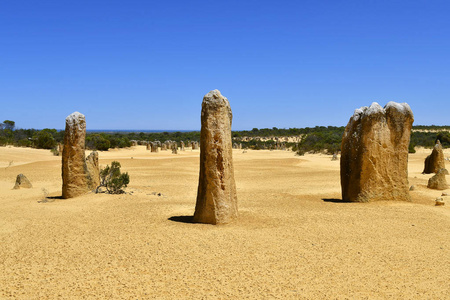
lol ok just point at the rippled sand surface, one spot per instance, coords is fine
(294, 238)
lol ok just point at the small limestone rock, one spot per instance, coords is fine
(22, 182)
(334, 158)
(444, 194)
(216, 197)
(374, 154)
(435, 161)
(412, 188)
(439, 202)
(93, 170)
(438, 181)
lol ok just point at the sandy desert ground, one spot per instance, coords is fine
(294, 239)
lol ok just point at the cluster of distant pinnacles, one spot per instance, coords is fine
(374, 159)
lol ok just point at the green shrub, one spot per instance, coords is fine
(411, 148)
(44, 139)
(113, 180)
(97, 142)
(55, 151)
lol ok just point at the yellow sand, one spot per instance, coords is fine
(292, 240)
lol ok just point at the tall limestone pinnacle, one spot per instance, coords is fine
(374, 159)
(216, 196)
(78, 176)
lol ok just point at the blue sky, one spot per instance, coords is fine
(148, 64)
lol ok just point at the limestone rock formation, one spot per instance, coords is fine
(154, 146)
(216, 196)
(435, 161)
(75, 175)
(148, 146)
(438, 181)
(439, 202)
(22, 182)
(93, 170)
(374, 157)
(181, 146)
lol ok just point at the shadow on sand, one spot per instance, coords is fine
(335, 200)
(182, 219)
(50, 199)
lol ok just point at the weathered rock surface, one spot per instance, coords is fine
(374, 158)
(22, 182)
(435, 161)
(438, 181)
(93, 170)
(75, 176)
(174, 147)
(154, 146)
(216, 197)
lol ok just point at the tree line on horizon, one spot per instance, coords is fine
(319, 139)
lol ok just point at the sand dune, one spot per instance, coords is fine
(294, 239)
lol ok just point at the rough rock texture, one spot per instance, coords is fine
(93, 169)
(22, 182)
(374, 158)
(154, 146)
(174, 148)
(148, 147)
(438, 181)
(216, 197)
(76, 179)
(181, 146)
(435, 161)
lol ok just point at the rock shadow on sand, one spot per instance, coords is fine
(50, 199)
(335, 200)
(182, 219)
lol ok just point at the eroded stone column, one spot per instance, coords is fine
(374, 159)
(216, 196)
(74, 169)
(436, 160)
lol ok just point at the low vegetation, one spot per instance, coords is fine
(112, 179)
(310, 139)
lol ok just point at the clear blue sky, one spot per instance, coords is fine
(148, 64)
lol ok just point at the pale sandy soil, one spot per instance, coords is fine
(293, 238)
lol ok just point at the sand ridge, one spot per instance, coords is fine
(293, 239)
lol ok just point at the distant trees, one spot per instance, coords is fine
(97, 142)
(45, 139)
(9, 125)
(325, 139)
